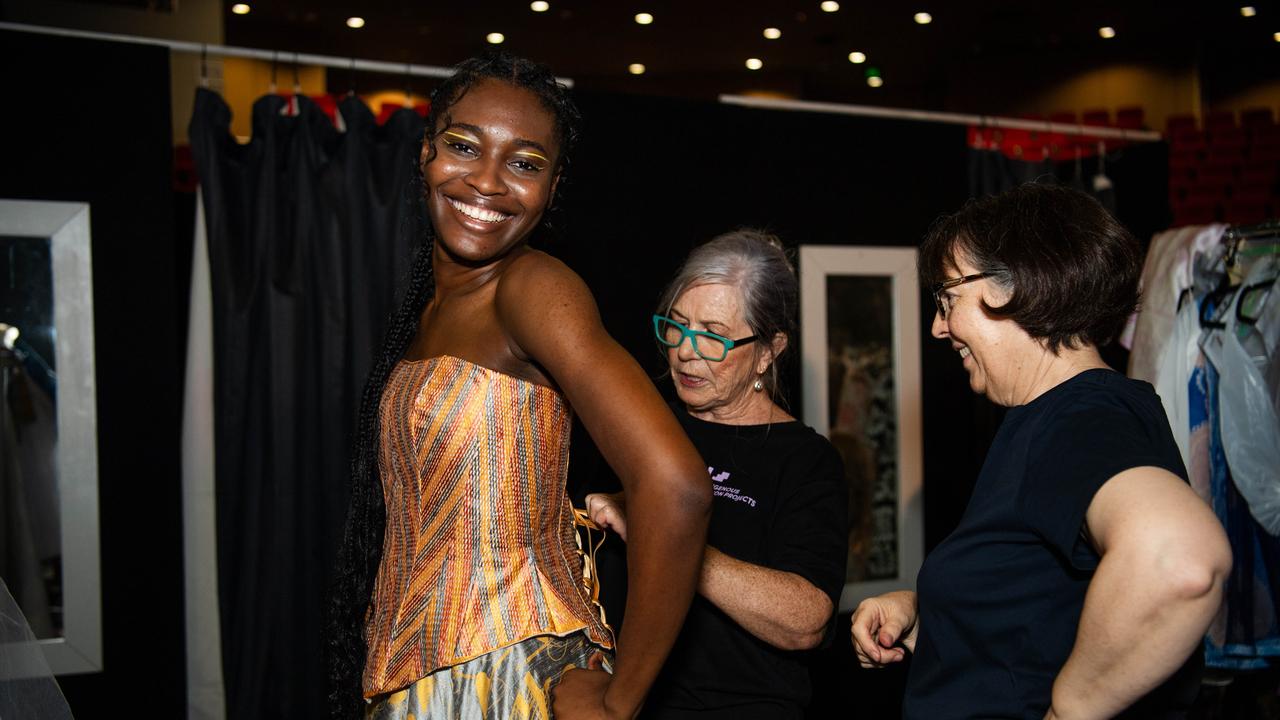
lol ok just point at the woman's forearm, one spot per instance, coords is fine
(667, 525)
(1159, 583)
(1135, 631)
(781, 608)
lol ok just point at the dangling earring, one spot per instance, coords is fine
(758, 385)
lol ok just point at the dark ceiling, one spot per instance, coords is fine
(974, 56)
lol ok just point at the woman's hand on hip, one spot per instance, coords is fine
(581, 693)
(884, 628)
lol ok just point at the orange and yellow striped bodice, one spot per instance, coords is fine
(479, 550)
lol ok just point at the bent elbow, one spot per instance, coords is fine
(806, 640)
(795, 639)
(1202, 575)
(695, 496)
(807, 633)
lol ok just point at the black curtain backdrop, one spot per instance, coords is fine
(88, 121)
(310, 232)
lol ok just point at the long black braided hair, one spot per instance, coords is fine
(361, 550)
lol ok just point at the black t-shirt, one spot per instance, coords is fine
(1001, 597)
(780, 501)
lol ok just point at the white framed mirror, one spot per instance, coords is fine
(46, 284)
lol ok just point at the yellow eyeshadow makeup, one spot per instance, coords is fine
(459, 136)
(533, 154)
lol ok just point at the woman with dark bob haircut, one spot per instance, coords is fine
(1084, 571)
(461, 591)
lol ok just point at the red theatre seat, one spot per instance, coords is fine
(1096, 117)
(1188, 139)
(1219, 120)
(1132, 118)
(1256, 117)
(1245, 211)
(1228, 138)
(1195, 212)
(1174, 123)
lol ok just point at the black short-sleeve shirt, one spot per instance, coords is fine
(1001, 597)
(780, 500)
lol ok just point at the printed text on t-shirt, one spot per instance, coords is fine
(726, 492)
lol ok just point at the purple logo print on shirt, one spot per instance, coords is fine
(726, 492)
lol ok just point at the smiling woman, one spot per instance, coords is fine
(487, 186)
(1085, 569)
(460, 590)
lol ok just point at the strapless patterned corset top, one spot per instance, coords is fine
(479, 550)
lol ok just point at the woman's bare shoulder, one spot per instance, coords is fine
(537, 282)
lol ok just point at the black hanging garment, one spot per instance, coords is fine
(310, 235)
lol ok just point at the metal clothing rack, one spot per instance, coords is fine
(945, 118)
(1238, 235)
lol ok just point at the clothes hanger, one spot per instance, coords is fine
(295, 102)
(1254, 294)
(1213, 303)
(204, 65)
(408, 86)
(1100, 181)
(1249, 294)
(271, 89)
(8, 335)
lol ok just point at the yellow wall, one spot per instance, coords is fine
(375, 99)
(1265, 95)
(245, 80)
(1160, 92)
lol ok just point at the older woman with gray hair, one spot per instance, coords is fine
(774, 563)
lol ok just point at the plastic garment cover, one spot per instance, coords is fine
(1245, 634)
(27, 688)
(1176, 364)
(1181, 267)
(1245, 354)
(1173, 268)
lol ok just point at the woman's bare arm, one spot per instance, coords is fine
(1164, 560)
(551, 319)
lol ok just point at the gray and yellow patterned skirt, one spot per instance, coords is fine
(510, 682)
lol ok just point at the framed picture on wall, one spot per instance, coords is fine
(860, 380)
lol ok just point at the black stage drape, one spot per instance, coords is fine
(310, 232)
(1138, 176)
(89, 121)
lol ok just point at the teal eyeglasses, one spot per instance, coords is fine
(708, 345)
